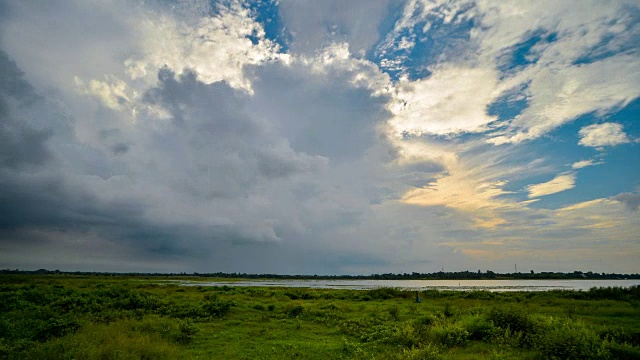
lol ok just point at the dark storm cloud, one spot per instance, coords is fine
(33, 195)
(320, 114)
(20, 145)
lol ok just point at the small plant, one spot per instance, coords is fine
(394, 311)
(426, 320)
(295, 311)
(447, 312)
(428, 352)
(271, 307)
(187, 331)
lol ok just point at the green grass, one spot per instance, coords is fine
(93, 317)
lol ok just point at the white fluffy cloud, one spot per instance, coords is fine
(452, 100)
(600, 135)
(559, 183)
(580, 61)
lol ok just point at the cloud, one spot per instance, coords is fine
(451, 101)
(630, 200)
(20, 144)
(313, 25)
(565, 64)
(196, 137)
(177, 162)
(600, 135)
(584, 163)
(560, 183)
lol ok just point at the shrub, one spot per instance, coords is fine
(518, 326)
(514, 319)
(216, 307)
(480, 295)
(387, 293)
(571, 340)
(394, 311)
(295, 311)
(299, 294)
(623, 351)
(425, 321)
(451, 335)
(187, 331)
(56, 327)
(447, 312)
(478, 327)
(258, 307)
(271, 307)
(428, 352)
(401, 334)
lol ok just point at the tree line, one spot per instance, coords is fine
(440, 275)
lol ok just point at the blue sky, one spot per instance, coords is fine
(320, 137)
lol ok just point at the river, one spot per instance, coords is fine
(457, 285)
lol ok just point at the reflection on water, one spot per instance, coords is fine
(458, 285)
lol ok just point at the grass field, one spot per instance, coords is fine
(93, 317)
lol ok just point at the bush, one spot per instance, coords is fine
(57, 327)
(514, 319)
(400, 334)
(623, 351)
(428, 352)
(216, 307)
(518, 327)
(451, 335)
(295, 311)
(425, 321)
(393, 312)
(571, 340)
(478, 327)
(299, 294)
(387, 293)
(187, 331)
(447, 312)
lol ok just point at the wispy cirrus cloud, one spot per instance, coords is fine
(585, 163)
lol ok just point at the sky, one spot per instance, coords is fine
(320, 137)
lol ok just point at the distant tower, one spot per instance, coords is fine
(516, 266)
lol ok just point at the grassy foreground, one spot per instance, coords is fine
(73, 317)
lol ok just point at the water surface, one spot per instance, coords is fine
(458, 285)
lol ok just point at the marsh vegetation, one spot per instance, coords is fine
(93, 317)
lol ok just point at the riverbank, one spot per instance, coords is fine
(90, 317)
